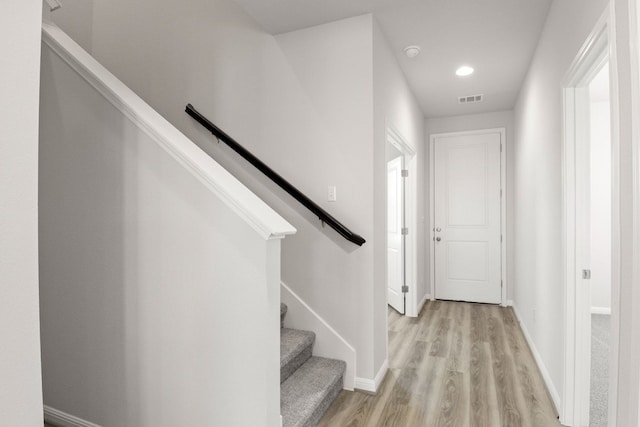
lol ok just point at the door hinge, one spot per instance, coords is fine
(501, 148)
(405, 289)
(501, 192)
(501, 238)
(405, 173)
(586, 274)
(404, 231)
(501, 283)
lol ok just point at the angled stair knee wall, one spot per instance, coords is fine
(328, 342)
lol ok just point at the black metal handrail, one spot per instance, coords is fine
(323, 215)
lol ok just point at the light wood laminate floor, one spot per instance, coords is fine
(456, 365)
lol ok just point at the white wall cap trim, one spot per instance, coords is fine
(262, 218)
(63, 419)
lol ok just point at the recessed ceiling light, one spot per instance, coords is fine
(412, 51)
(464, 71)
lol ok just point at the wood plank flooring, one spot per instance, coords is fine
(456, 365)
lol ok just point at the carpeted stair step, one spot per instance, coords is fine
(307, 394)
(295, 349)
(283, 313)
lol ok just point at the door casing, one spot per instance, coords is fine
(395, 138)
(597, 49)
(396, 240)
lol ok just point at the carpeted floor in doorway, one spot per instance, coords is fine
(600, 324)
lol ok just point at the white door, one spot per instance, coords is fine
(467, 215)
(395, 243)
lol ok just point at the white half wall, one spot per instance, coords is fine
(538, 290)
(498, 119)
(20, 379)
(156, 294)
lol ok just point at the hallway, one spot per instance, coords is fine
(457, 364)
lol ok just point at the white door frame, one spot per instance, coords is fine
(396, 298)
(395, 138)
(577, 339)
(503, 205)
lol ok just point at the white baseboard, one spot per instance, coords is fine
(541, 366)
(421, 304)
(329, 343)
(372, 385)
(62, 419)
(600, 310)
(508, 303)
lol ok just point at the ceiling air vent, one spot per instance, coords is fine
(470, 99)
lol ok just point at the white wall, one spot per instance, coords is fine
(331, 65)
(301, 102)
(395, 106)
(538, 284)
(499, 119)
(20, 384)
(600, 202)
(626, 302)
(146, 277)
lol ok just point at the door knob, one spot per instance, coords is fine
(438, 239)
(438, 229)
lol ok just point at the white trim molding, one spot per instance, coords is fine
(553, 392)
(373, 385)
(62, 419)
(396, 139)
(264, 220)
(595, 52)
(600, 310)
(329, 343)
(424, 300)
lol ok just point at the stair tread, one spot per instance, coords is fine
(292, 343)
(309, 391)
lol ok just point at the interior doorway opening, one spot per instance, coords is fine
(401, 224)
(599, 229)
(591, 224)
(396, 285)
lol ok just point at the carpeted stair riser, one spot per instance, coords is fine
(295, 349)
(307, 394)
(308, 385)
(283, 313)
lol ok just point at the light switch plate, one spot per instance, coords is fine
(331, 193)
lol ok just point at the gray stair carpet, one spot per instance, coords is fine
(295, 349)
(308, 384)
(283, 312)
(600, 331)
(307, 394)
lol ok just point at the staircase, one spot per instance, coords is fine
(308, 384)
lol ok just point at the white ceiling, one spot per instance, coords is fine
(496, 37)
